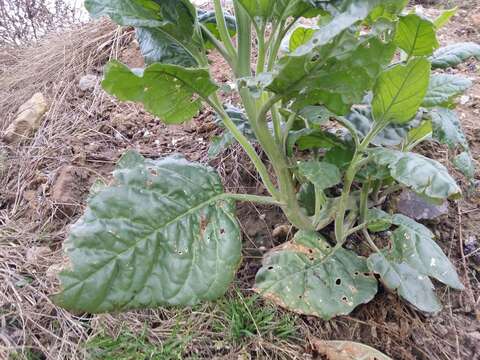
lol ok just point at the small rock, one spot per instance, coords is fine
(415, 207)
(88, 82)
(28, 120)
(472, 249)
(69, 188)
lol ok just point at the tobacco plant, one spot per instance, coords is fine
(337, 96)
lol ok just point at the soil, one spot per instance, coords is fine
(47, 180)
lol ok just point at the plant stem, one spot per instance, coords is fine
(223, 30)
(218, 45)
(319, 202)
(214, 102)
(253, 198)
(261, 49)
(244, 35)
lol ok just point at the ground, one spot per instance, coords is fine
(45, 181)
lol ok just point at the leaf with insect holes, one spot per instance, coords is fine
(321, 174)
(400, 91)
(444, 88)
(455, 54)
(161, 234)
(424, 176)
(416, 35)
(170, 92)
(304, 276)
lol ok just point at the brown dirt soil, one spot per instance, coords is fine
(45, 184)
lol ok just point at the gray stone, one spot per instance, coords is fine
(415, 207)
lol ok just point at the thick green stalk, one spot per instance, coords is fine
(218, 45)
(253, 198)
(261, 49)
(244, 39)
(223, 30)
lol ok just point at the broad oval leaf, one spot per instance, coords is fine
(413, 244)
(408, 282)
(447, 128)
(416, 35)
(347, 350)
(455, 54)
(161, 234)
(321, 174)
(424, 176)
(464, 163)
(444, 88)
(303, 276)
(400, 91)
(170, 92)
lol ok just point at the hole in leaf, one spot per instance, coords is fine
(367, 274)
(270, 268)
(356, 273)
(310, 251)
(222, 231)
(338, 282)
(344, 299)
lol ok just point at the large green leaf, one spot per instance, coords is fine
(168, 91)
(416, 35)
(455, 54)
(425, 176)
(444, 88)
(161, 234)
(408, 282)
(156, 46)
(413, 244)
(303, 276)
(321, 174)
(172, 33)
(400, 90)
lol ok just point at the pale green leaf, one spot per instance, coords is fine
(302, 275)
(321, 174)
(408, 282)
(416, 35)
(455, 54)
(378, 220)
(400, 90)
(444, 17)
(464, 163)
(168, 91)
(447, 128)
(424, 176)
(300, 36)
(444, 88)
(161, 234)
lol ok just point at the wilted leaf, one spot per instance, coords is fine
(425, 176)
(455, 54)
(161, 234)
(321, 174)
(303, 276)
(168, 91)
(400, 90)
(444, 88)
(347, 350)
(416, 35)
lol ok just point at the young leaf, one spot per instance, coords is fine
(416, 35)
(408, 282)
(321, 174)
(455, 54)
(300, 36)
(400, 90)
(167, 91)
(444, 88)
(303, 276)
(413, 244)
(378, 220)
(425, 176)
(464, 163)
(444, 17)
(447, 128)
(161, 234)
(420, 133)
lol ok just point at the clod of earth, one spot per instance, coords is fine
(28, 119)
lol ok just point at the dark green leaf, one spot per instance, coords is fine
(303, 276)
(444, 88)
(208, 19)
(321, 174)
(408, 282)
(416, 35)
(168, 91)
(308, 139)
(161, 234)
(400, 90)
(424, 176)
(455, 54)
(341, 156)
